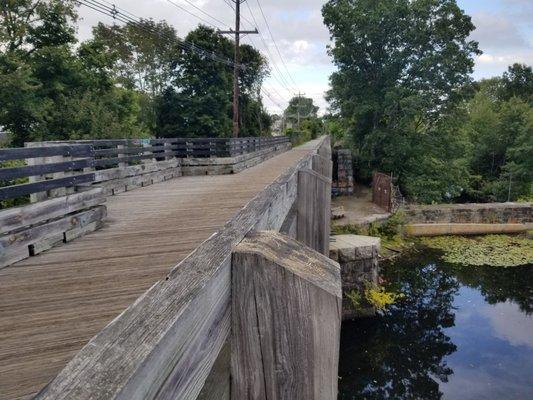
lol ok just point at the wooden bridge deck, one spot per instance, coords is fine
(52, 304)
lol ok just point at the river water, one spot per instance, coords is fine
(462, 333)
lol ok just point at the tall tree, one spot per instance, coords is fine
(403, 66)
(57, 91)
(198, 104)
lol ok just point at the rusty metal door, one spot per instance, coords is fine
(382, 190)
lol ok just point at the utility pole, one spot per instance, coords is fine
(237, 62)
(298, 108)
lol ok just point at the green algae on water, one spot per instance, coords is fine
(490, 250)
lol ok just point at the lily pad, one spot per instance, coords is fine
(490, 250)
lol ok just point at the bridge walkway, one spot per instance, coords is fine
(53, 303)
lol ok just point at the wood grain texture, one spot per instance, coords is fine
(314, 210)
(286, 319)
(17, 246)
(10, 192)
(49, 151)
(52, 304)
(19, 217)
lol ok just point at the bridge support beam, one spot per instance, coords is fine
(286, 319)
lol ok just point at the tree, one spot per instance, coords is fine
(145, 53)
(403, 68)
(302, 120)
(55, 91)
(499, 126)
(27, 25)
(199, 102)
(518, 82)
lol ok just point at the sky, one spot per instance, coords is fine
(294, 39)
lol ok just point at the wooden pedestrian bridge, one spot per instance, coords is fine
(168, 269)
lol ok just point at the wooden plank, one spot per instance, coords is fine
(15, 246)
(164, 345)
(217, 384)
(13, 191)
(286, 320)
(132, 170)
(323, 165)
(314, 210)
(42, 169)
(16, 218)
(33, 152)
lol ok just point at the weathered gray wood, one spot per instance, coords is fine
(15, 246)
(10, 192)
(290, 225)
(314, 210)
(217, 384)
(49, 151)
(164, 345)
(286, 319)
(19, 217)
(30, 170)
(325, 149)
(323, 166)
(132, 170)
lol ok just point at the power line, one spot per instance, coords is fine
(127, 17)
(120, 15)
(275, 44)
(197, 16)
(282, 81)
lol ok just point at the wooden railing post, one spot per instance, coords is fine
(314, 210)
(169, 155)
(286, 319)
(121, 155)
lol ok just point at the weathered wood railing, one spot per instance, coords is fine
(48, 177)
(43, 171)
(122, 164)
(172, 343)
(56, 167)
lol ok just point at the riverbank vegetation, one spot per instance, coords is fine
(405, 99)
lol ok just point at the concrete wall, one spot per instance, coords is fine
(490, 213)
(358, 258)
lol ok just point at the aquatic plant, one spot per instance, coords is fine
(373, 295)
(379, 297)
(491, 250)
(355, 298)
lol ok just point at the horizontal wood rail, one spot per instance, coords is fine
(109, 153)
(47, 168)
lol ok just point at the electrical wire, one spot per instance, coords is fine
(275, 44)
(281, 80)
(121, 16)
(127, 17)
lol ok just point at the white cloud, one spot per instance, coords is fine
(510, 324)
(502, 38)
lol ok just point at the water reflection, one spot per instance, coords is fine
(460, 333)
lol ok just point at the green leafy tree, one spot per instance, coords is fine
(301, 118)
(403, 67)
(518, 82)
(49, 89)
(500, 128)
(199, 103)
